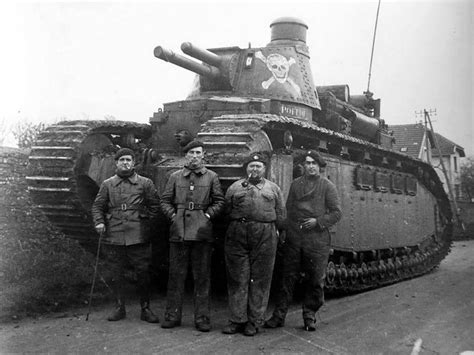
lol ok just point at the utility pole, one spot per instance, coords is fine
(454, 204)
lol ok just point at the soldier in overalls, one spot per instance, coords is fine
(256, 210)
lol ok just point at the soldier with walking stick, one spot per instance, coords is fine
(122, 211)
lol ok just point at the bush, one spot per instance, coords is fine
(44, 273)
(40, 269)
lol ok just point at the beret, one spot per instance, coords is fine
(192, 144)
(315, 155)
(124, 151)
(255, 157)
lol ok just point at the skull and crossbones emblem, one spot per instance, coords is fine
(280, 67)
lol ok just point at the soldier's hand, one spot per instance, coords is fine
(281, 237)
(309, 223)
(100, 228)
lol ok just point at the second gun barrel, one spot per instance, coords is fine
(179, 60)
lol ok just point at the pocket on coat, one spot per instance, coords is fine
(268, 202)
(268, 197)
(204, 230)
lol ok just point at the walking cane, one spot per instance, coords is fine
(95, 275)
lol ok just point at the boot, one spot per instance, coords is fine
(203, 324)
(274, 322)
(170, 323)
(309, 324)
(147, 315)
(118, 313)
(250, 329)
(233, 328)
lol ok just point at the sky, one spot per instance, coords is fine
(90, 60)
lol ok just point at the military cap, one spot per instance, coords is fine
(315, 155)
(255, 157)
(193, 144)
(124, 151)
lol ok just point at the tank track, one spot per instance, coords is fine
(406, 263)
(344, 274)
(53, 182)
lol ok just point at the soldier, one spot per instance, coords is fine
(313, 206)
(256, 210)
(124, 207)
(191, 199)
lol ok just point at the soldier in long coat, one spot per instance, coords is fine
(256, 210)
(191, 200)
(313, 206)
(123, 210)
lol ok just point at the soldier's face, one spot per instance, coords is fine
(311, 167)
(125, 163)
(194, 156)
(183, 137)
(255, 169)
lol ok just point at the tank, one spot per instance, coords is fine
(396, 220)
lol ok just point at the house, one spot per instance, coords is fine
(418, 142)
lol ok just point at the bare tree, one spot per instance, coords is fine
(5, 129)
(26, 133)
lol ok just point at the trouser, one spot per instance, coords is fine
(120, 257)
(250, 249)
(199, 255)
(307, 252)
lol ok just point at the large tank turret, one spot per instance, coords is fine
(277, 79)
(279, 71)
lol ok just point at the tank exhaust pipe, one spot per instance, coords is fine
(186, 63)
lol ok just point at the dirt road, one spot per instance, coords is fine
(435, 312)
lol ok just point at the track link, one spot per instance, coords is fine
(52, 179)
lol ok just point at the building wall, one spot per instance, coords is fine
(454, 173)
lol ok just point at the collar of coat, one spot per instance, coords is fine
(258, 186)
(303, 180)
(200, 171)
(133, 179)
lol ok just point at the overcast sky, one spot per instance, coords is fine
(94, 59)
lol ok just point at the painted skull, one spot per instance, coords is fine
(279, 66)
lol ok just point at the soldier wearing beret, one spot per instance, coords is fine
(123, 209)
(256, 210)
(313, 206)
(191, 200)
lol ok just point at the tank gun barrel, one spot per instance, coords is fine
(186, 63)
(201, 54)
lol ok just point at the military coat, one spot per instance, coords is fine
(188, 196)
(126, 207)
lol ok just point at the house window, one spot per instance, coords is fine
(455, 162)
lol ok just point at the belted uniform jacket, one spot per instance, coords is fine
(190, 194)
(126, 207)
(320, 202)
